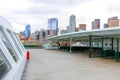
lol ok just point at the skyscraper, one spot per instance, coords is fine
(105, 25)
(27, 30)
(53, 26)
(82, 27)
(96, 24)
(72, 23)
(67, 29)
(113, 21)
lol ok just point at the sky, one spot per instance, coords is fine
(37, 12)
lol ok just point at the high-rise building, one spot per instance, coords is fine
(22, 33)
(76, 29)
(105, 25)
(42, 35)
(96, 24)
(68, 29)
(113, 21)
(63, 31)
(37, 35)
(72, 23)
(113, 18)
(82, 27)
(27, 30)
(53, 26)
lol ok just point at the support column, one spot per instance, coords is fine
(102, 42)
(90, 46)
(117, 44)
(70, 44)
(112, 43)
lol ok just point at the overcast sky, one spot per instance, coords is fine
(37, 12)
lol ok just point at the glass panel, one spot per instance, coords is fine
(8, 45)
(15, 43)
(4, 65)
(19, 42)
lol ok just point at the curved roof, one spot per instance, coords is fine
(109, 32)
(5, 23)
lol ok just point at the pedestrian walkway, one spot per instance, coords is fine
(59, 65)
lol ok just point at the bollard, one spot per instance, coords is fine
(28, 55)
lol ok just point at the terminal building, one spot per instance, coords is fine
(12, 53)
(94, 41)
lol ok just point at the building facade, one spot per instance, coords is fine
(72, 23)
(53, 26)
(22, 33)
(96, 24)
(105, 25)
(27, 30)
(42, 35)
(82, 27)
(113, 21)
(63, 31)
(76, 29)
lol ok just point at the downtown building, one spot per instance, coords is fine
(82, 27)
(52, 27)
(113, 21)
(105, 25)
(63, 31)
(96, 24)
(42, 35)
(72, 23)
(27, 31)
(39, 35)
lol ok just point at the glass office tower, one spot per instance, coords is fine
(27, 30)
(72, 23)
(53, 26)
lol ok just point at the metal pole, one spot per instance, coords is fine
(70, 44)
(90, 46)
(112, 43)
(102, 42)
(117, 44)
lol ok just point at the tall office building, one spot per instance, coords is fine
(22, 33)
(67, 29)
(42, 35)
(53, 26)
(113, 18)
(82, 27)
(105, 25)
(37, 35)
(113, 21)
(27, 30)
(63, 31)
(76, 29)
(96, 24)
(72, 23)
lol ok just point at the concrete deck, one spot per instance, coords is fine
(59, 65)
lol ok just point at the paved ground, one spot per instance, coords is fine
(59, 65)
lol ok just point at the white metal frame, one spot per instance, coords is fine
(17, 68)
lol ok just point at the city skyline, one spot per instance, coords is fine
(37, 12)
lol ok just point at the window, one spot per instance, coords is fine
(8, 45)
(106, 44)
(110, 44)
(19, 42)
(15, 43)
(4, 65)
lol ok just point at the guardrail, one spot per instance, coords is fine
(32, 46)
